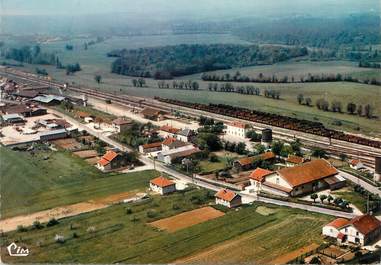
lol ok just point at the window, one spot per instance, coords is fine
(277, 180)
(357, 233)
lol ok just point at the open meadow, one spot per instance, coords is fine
(47, 179)
(122, 233)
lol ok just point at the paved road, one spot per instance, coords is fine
(162, 168)
(361, 182)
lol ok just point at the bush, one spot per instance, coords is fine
(37, 225)
(91, 229)
(21, 228)
(151, 213)
(175, 207)
(75, 235)
(128, 211)
(52, 222)
(134, 218)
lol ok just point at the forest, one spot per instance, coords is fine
(179, 60)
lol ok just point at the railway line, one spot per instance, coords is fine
(332, 146)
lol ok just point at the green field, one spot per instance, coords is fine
(94, 61)
(31, 183)
(127, 238)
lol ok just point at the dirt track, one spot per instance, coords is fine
(10, 224)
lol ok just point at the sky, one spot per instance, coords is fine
(174, 9)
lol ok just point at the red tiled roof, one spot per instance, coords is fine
(169, 129)
(226, 195)
(103, 162)
(248, 160)
(308, 172)
(169, 140)
(338, 223)
(237, 124)
(295, 159)
(365, 224)
(354, 162)
(162, 182)
(259, 173)
(152, 145)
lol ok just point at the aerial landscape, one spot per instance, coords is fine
(190, 132)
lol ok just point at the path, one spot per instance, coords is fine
(12, 223)
(361, 182)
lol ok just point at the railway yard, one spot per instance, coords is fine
(287, 129)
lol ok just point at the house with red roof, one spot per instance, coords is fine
(246, 163)
(360, 230)
(168, 131)
(112, 161)
(150, 148)
(228, 198)
(162, 185)
(356, 164)
(293, 160)
(257, 177)
(122, 124)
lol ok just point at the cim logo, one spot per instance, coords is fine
(16, 251)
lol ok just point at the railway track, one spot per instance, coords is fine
(332, 146)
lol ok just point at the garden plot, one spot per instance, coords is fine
(187, 219)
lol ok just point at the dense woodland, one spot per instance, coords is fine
(171, 61)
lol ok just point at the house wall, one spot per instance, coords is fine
(182, 138)
(330, 231)
(235, 131)
(278, 180)
(162, 191)
(222, 202)
(352, 234)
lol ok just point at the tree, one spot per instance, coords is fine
(252, 135)
(351, 107)
(98, 78)
(296, 147)
(240, 148)
(260, 148)
(276, 147)
(322, 198)
(329, 198)
(308, 101)
(359, 110)
(343, 157)
(300, 98)
(318, 152)
(314, 196)
(368, 111)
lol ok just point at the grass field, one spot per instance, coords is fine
(128, 238)
(353, 197)
(31, 183)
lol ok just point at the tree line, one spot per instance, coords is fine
(261, 78)
(337, 106)
(179, 60)
(187, 85)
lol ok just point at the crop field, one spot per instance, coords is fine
(35, 182)
(122, 233)
(187, 219)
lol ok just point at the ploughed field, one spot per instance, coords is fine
(123, 233)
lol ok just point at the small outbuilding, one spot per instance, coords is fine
(228, 198)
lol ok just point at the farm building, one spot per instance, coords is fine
(185, 135)
(246, 163)
(168, 131)
(360, 230)
(153, 114)
(24, 110)
(293, 160)
(49, 99)
(112, 161)
(172, 143)
(122, 124)
(12, 118)
(178, 153)
(228, 198)
(236, 128)
(162, 185)
(356, 164)
(150, 148)
(27, 93)
(53, 135)
(306, 178)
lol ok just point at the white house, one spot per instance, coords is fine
(185, 135)
(168, 131)
(360, 230)
(151, 148)
(228, 198)
(257, 177)
(356, 164)
(237, 129)
(162, 185)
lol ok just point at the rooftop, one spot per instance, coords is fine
(226, 195)
(237, 124)
(162, 182)
(122, 121)
(259, 173)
